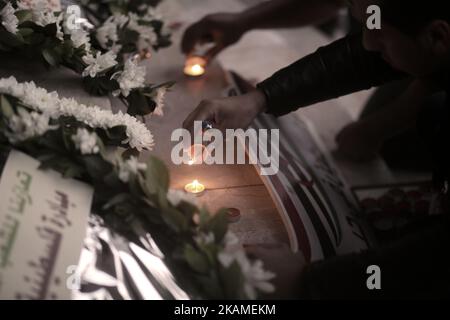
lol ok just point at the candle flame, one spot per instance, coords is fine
(195, 66)
(195, 187)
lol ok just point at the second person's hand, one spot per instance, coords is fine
(224, 29)
(228, 113)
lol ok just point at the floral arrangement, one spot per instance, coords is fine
(81, 142)
(34, 29)
(137, 24)
(101, 10)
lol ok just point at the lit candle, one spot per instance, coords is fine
(195, 66)
(195, 188)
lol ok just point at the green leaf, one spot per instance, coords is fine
(63, 165)
(162, 198)
(196, 260)
(175, 219)
(232, 280)
(211, 287)
(51, 57)
(117, 134)
(217, 225)
(156, 176)
(73, 171)
(6, 107)
(96, 166)
(67, 50)
(23, 15)
(187, 209)
(139, 104)
(51, 29)
(11, 40)
(121, 197)
(204, 217)
(24, 32)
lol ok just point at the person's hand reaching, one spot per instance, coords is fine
(228, 113)
(224, 29)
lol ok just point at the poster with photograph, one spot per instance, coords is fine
(318, 209)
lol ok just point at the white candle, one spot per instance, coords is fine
(195, 188)
(195, 66)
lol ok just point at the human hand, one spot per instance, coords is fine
(224, 29)
(228, 113)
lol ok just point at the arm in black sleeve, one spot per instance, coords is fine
(341, 68)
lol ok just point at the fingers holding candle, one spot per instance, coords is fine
(197, 154)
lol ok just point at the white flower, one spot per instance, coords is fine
(160, 96)
(129, 167)
(42, 13)
(26, 125)
(9, 19)
(86, 141)
(80, 37)
(120, 20)
(256, 278)
(138, 136)
(99, 63)
(175, 197)
(147, 36)
(107, 33)
(132, 77)
(153, 13)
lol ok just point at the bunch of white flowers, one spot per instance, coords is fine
(99, 63)
(81, 37)
(9, 19)
(147, 36)
(107, 35)
(42, 13)
(132, 77)
(130, 167)
(26, 125)
(256, 278)
(138, 136)
(86, 141)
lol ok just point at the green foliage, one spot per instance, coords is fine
(35, 41)
(142, 200)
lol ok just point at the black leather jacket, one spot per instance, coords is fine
(344, 67)
(332, 71)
